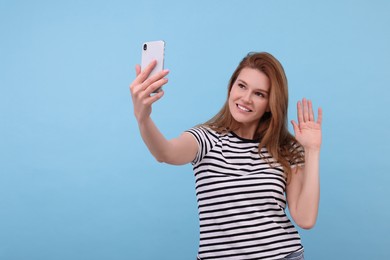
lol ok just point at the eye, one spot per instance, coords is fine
(259, 94)
(240, 85)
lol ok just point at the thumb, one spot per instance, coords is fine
(295, 126)
(137, 70)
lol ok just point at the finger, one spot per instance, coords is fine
(311, 113)
(295, 127)
(147, 83)
(137, 70)
(156, 85)
(140, 76)
(319, 118)
(145, 72)
(299, 112)
(305, 110)
(150, 100)
(157, 76)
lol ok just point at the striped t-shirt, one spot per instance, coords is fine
(241, 200)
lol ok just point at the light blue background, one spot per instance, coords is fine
(76, 181)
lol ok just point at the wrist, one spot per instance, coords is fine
(143, 121)
(312, 149)
(312, 154)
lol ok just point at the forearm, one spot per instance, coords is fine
(154, 139)
(308, 200)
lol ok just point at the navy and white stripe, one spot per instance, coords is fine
(241, 200)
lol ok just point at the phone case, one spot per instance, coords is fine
(153, 50)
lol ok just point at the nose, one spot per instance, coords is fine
(247, 97)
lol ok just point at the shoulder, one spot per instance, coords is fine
(206, 138)
(202, 132)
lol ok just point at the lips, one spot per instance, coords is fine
(243, 108)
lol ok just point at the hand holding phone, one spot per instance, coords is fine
(153, 50)
(145, 92)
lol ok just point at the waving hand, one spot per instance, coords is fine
(307, 130)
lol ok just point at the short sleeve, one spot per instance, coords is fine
(206, 139)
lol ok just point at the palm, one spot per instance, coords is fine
(307, 130)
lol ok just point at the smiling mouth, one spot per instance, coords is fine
(243, 108)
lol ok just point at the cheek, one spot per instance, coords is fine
(231, 96)
(263, 106)
(230, 103)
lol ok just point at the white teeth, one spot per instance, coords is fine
(243, 108)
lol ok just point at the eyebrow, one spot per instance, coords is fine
(258, 89)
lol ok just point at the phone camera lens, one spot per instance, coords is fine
(145, 46)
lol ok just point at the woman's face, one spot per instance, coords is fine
(248, 99)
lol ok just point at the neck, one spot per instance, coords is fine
(246, 132)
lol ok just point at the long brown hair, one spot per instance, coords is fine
(272, 128)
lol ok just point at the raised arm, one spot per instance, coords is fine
(177, 151)
(303, 191)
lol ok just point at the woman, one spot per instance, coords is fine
(247, 165)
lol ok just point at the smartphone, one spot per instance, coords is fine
(153, 50)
